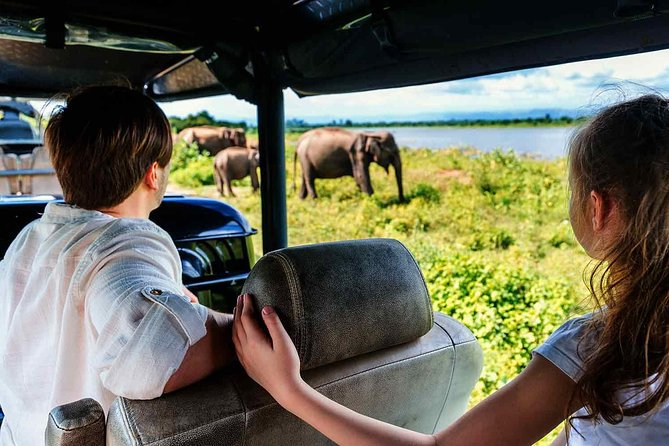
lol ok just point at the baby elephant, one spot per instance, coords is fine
(234, 163)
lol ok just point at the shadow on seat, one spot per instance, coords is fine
(362, 322)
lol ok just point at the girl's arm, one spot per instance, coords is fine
(520, 413)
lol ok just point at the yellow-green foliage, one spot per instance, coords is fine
(189, 167)
(489, 230)
(510, 308)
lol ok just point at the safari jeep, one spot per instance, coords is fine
(369, 340)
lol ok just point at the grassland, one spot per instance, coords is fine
(489, 230)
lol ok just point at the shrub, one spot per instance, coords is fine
(425, 192)
(509, 308)
(563, 236)
(189, 167)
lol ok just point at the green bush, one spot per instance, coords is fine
(190, 168)
(425, 192)
(563, 236)
(510, 309)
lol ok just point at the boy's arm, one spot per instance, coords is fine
(151, 337)
(207, 355)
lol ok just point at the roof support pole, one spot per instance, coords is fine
(271, 142)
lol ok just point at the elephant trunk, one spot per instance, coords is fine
(397, 165)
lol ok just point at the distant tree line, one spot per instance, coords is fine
(202, 118)
(547, 120)
(300, 125)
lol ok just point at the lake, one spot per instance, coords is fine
(545, 142)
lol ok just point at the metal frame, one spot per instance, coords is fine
(26, 172)
(271, 144)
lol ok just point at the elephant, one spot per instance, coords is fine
(213, 139)
(332, 152)
(252, 144)
(234, 163)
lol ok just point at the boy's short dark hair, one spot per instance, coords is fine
(102, 143)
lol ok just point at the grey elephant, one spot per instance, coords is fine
(235, 163)
(332, 152)
(213, 139)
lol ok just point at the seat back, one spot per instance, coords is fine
(8, 185)
(361, 319)
(44, 184)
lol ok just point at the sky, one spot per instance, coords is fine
(577, 87)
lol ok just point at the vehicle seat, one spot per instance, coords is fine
(362, 321)
(9, 185)
(43, 184)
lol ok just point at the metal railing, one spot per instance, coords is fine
(26, 172)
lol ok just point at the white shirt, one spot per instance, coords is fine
(561, 348)
(90, 306)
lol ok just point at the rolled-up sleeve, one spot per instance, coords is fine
(144, 323)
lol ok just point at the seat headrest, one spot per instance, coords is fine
(342, 299)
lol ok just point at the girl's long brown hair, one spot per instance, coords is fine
(623, 154)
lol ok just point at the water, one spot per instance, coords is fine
(545, 142)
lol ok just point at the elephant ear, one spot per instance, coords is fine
(359, 143)
(373, 146)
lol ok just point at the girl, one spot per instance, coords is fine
(606, 372)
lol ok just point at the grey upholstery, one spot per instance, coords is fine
(418, 370)
(81, 423)
(342, 299)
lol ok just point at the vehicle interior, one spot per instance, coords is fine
(423, 364)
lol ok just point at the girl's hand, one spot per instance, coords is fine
(271, 362)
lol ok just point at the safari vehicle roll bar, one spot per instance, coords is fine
(271, 144)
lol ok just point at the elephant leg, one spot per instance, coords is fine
(217, 181)
(311, 183)
(228, 186)
(254, 179)
(303, 188)
(366, 181)
(308, 180)
(361, 176)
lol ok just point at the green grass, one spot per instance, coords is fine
(489, 230)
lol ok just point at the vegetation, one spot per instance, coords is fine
(201, 118)
(299, 125)
(489, 230)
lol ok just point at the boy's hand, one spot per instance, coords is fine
(192, 297)
(272, 363)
